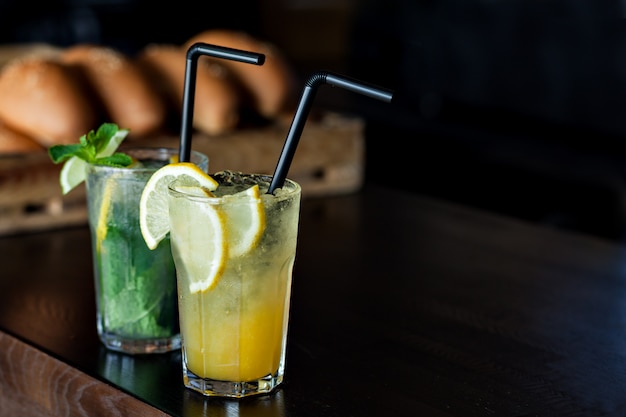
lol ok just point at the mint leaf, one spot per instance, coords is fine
(90, 146)
(101, 139)
(118, 159)
(61, 153)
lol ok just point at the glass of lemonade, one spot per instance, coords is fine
(135, 287)
(234, 328)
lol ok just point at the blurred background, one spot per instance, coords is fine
(513, 106)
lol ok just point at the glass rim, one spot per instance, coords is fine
(294, 189)
(155, 150)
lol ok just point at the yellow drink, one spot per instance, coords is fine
(239, 346)
(234, 333)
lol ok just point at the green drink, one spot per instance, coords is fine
(135, 287)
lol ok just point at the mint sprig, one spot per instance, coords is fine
(91, 145)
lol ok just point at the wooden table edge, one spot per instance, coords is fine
(34, 383)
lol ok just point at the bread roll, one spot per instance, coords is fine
(12, 142)
(125, 94)
(272, 86)
(40, 98)
(10, 52)
(216, 101)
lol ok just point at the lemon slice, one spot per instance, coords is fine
(74, 170)
(105, 206)
(200, 244)
(153, 208)
(245, 220)
(114, 143)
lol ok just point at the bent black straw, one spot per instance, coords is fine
(304, 106)
(193, 53)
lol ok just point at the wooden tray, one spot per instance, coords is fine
(329, 160)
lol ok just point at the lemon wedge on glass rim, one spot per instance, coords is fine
(153, 208)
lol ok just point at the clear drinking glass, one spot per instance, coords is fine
(234, 333)
(135, 287)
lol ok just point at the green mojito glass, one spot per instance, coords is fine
(234, 324)
(135, 287)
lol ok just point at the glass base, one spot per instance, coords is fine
(140, 346)
(214, 388)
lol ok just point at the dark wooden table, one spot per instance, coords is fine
(402, 306)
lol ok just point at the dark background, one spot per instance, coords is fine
(514, 106)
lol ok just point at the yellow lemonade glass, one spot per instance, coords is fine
(234, 250)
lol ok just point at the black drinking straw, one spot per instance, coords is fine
(304, 106)
(193, 53)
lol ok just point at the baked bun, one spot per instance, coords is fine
(271, 86)
(10, 52)
(13, 142)
(125, 95)
(216, 100)
(41, 99)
